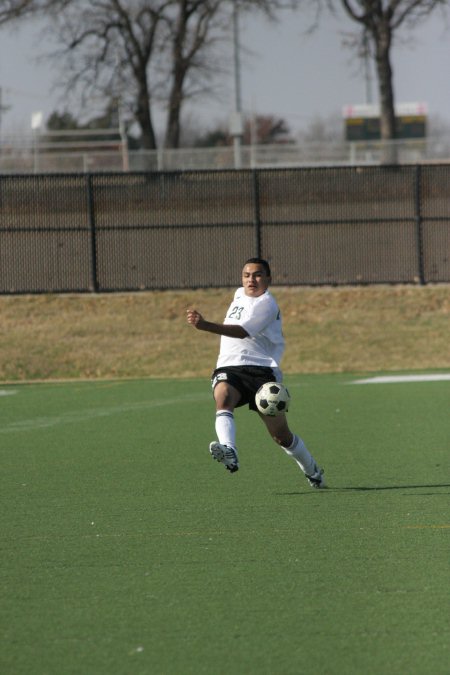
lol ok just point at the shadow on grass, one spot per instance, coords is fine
(368, 488)
(393, 487)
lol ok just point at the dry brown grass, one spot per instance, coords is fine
(145, 335)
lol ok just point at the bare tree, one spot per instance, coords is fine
(106, 50)
(380, 21)
(143, 52)
(192, 31)
(15, 10)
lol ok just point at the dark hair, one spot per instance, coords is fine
(260, 261)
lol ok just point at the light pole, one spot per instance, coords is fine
(3, 108)
(36, 123)
(236, 124)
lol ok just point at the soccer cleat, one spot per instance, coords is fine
(224, 454)
(316, 479)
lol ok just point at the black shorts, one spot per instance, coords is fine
(246, 379)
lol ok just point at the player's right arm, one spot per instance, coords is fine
(195, 319)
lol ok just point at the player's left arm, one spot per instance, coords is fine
(194, 318)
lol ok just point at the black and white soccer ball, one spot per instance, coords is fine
(272, 399)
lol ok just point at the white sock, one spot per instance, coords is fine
(226, 428)
(298, 451)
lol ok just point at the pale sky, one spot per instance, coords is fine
(286, 73)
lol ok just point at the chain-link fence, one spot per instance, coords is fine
(193, 229)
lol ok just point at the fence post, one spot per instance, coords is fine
(256, 212)
(93, 236)
(418, 219)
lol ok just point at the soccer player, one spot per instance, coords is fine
(251, 348)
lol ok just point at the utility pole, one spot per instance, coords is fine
(3, 108)
(236, 124)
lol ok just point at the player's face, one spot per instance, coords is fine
(254, 279)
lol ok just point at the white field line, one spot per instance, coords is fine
(393, 379)
(75, 417)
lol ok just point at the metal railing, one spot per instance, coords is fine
(33, 156)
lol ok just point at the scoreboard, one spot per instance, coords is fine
(362, 122)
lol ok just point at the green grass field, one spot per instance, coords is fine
(127, 550)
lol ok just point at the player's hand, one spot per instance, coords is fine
(194, 317)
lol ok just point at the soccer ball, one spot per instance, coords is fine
(272, 399)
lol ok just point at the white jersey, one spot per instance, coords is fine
(260, 317)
